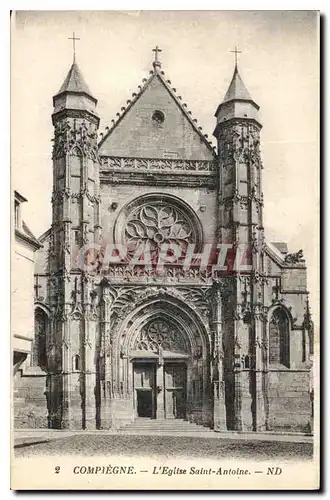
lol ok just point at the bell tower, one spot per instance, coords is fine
(75, 223)
(240, 223)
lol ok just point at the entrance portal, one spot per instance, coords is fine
(144, 388)
(144, 403)
(160, 390)
(175, 381)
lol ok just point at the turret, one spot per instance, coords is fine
(74, 95)
(240, 223)
(237, 103)
(75, 223)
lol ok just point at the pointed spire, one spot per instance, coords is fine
(237, 88)
(75, 82)
(237, 102)
(307, 316)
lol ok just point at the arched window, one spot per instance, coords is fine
(279, 338)
(76, 365)
(39, 355)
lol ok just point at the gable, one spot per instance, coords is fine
(156, 126)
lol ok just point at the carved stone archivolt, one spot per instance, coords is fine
(200, 298)
(123, 300)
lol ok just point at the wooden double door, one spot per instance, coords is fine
(160, 391)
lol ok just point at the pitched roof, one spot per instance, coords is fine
(26, 234)
(75, 82)
(281, 246)
(237, 89)
(172, 91)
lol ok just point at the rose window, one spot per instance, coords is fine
(156, 224)
(161, 333)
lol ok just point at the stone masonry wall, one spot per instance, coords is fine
(289, 400)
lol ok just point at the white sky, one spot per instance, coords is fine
(279, 66)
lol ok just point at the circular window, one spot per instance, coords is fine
(158, 219)
(158, 117)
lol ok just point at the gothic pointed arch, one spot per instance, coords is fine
(279, 337)
(178, 314)
(39, 347)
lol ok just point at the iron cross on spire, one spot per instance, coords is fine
(74, 38)
(156, 50)
(236, 51)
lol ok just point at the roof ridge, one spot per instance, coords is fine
(172, 91)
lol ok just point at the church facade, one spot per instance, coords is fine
(123, 333)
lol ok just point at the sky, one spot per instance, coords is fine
(279, 65)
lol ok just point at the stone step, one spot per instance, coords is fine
(155, 425)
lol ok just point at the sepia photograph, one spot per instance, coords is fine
(165, 250)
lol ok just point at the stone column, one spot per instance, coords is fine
(66, 417)
(160, 388)
(260, 413)
(219, 405)
(105, 359)
(237, 382)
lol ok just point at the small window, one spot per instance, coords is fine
(76, 363)
(246, 362)
(158, 117)
(77, 236)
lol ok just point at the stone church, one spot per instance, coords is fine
(224, 347)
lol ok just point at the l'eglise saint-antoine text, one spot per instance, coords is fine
(162, 470)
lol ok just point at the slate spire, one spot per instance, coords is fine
(237, 88)
(237, 103)
(75, 82)
(74, 93)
